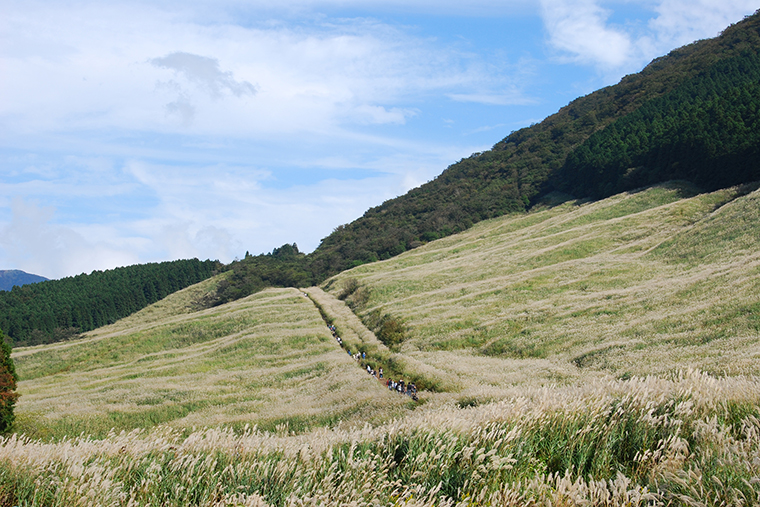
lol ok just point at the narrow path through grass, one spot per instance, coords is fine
(357, 338)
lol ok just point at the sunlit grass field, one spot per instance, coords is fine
(601, 353)
(641, 283)
(685, 440)
(268, 359)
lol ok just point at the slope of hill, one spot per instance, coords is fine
(690, 115)
(542, 327)
(14, 277)
(268, 359)
(640, 283)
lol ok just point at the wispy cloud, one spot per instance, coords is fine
(32, 241)
(679, 22)
(580, 28)
(491, 99)
(228, 79)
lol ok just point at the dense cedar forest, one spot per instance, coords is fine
(692, 115)
(55, 310)
(706, 131)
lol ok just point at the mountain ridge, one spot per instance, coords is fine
(10, 278)
(518, 170)
(653, 126)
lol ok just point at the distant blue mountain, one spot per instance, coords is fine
(11, 277)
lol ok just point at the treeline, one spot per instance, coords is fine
(56, 310)
(283, 267)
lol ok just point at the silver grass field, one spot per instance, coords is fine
(600, 353)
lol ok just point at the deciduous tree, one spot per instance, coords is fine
(8, 379)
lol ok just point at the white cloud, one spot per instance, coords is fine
(491, 99)
(205, 72)
(200, 72)
(138, 67)
(680, 22)
(374, 115)
(579, 27)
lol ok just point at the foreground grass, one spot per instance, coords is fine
(687, 440)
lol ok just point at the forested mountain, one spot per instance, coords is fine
(706, 131)
(692, 115)
(58, 309)
(11, 277)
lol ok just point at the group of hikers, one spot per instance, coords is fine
(400, 387)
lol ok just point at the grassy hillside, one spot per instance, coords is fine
(268, 359)
(689, 440)
(562, 345)
(640, 283)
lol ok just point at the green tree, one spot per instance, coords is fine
(8, 378)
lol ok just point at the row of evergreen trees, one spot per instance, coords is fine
(55, 310)
(706, 131)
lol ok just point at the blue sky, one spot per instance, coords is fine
(135, 132)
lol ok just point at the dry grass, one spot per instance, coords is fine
(641, 283)
(555, 342)
(266, 359)
(688, 440)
